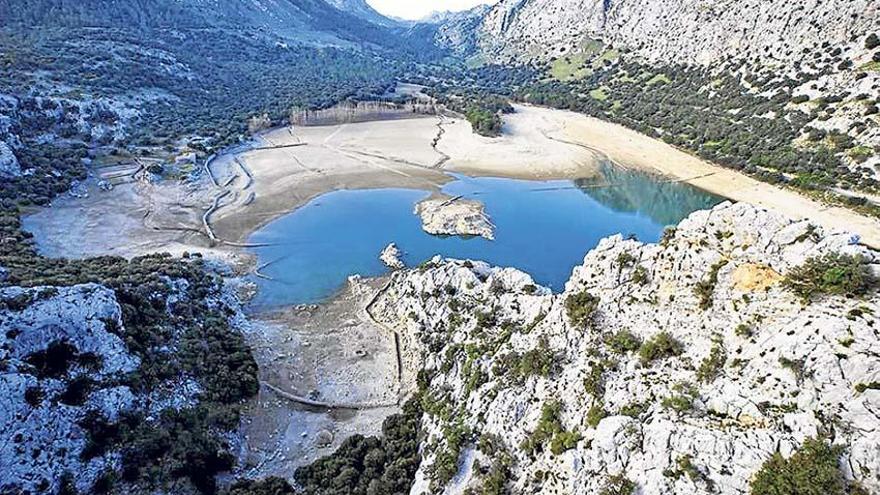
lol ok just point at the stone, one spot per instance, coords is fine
(391, 257)
(9, 166)
(446, 215)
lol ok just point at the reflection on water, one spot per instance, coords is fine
(542, 227)
(632, 191)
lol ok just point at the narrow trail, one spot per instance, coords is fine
(327, 405)
(436, 142)
(397, 352)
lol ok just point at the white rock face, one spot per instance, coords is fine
(686, 31)
(497, 349)
(447, 215)
(9, 166)
(40, 442)
(391, 257)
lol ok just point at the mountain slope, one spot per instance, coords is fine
(697, 31)
(362, 9)
(670, 368)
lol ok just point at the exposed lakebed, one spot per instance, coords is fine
(542, 227)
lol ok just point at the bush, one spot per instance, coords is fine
(580, 307)
(705, 289)
(682, 400)
(550, 429)
(813, 469)
(832, 274)
(618, 484)
(713, 364)
(660, 346)
(623, 342)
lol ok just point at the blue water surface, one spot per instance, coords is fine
(542, 227)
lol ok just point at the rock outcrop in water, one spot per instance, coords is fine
(447, 215)
(391, 257)
(681, 367)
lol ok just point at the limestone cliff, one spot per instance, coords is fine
(681, 366)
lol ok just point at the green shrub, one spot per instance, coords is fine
(550, 429)
(618, 484)
(640, 275)
(366, 465)
(660, 346)
(682, 400)
(623, 342)
(580, 307)
(713, 364)
(705, 289)
(832, 274)
(813, 469)
(596, 414)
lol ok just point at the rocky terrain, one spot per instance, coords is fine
(446, 215)
(678, 367)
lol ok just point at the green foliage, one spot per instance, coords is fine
(682, 400)
(540, 361)
(618, 484)
(832, 274)
(595, 414)
(550, 429)
(812, 470)
(713, 364)
(369, 465)
(623, 341)
(494, 478)
(268, 486)
(661, 346)
(706, 287)
(580, 307)
(640, 275)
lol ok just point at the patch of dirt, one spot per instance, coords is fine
(753, 277)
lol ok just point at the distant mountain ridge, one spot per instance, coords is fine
(348, 20)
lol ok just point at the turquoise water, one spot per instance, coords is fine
(542, 227)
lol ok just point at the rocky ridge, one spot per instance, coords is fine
(681, 366)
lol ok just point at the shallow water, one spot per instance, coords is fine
(542, 227)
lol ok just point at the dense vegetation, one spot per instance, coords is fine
(814, 469)
(831, 274)
(370, 465)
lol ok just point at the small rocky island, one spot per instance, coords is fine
(447, 215)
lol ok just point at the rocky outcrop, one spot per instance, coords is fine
(688, 31)
(61, 360)
(9, 167)
(681, 366)
(447, 215)
(391, 257)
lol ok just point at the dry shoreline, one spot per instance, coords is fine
(631, 149)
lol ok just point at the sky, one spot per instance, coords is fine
(418, 9)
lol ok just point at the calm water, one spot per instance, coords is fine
(542, 227)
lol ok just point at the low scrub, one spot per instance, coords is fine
(814, 469)
(832, 274)
(660, 346)
(581, 307)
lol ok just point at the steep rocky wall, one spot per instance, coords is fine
(759, 371)
(695, 31)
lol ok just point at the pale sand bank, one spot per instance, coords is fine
(381, 154)
(629, 148)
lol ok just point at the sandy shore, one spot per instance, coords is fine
(631, 149)
(290, 166)
(287, 167)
